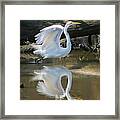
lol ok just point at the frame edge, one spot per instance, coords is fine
(2, 82)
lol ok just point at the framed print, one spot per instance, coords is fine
(60, 59)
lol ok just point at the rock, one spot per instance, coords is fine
(22, 85)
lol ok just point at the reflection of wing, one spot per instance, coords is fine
(49, 81)
(49, 37)
(42, 88)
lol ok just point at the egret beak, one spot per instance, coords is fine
(76, 23)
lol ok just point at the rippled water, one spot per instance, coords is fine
(66, 78)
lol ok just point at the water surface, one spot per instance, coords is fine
(82, 67)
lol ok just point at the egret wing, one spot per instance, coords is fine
(40, 37)
(50, 37)
(52, 40)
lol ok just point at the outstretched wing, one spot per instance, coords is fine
(49, 37)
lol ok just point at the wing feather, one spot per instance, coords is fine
(49, 37)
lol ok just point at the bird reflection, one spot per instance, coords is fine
(49, 82)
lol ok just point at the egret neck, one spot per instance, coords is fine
(68, 44)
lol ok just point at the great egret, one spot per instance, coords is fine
(49, 81)
(48, 41)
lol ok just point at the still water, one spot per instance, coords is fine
(62, 79)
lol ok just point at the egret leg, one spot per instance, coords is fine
(60, 60)
(64, 63)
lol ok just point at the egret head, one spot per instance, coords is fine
(69, 23)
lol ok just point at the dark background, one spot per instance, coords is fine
(29, 28)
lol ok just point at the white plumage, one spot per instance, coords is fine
(49, 81)
(48, 41)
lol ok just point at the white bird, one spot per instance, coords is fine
(49, 82)
(48, 41)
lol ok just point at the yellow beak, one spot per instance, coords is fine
(76, 23)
